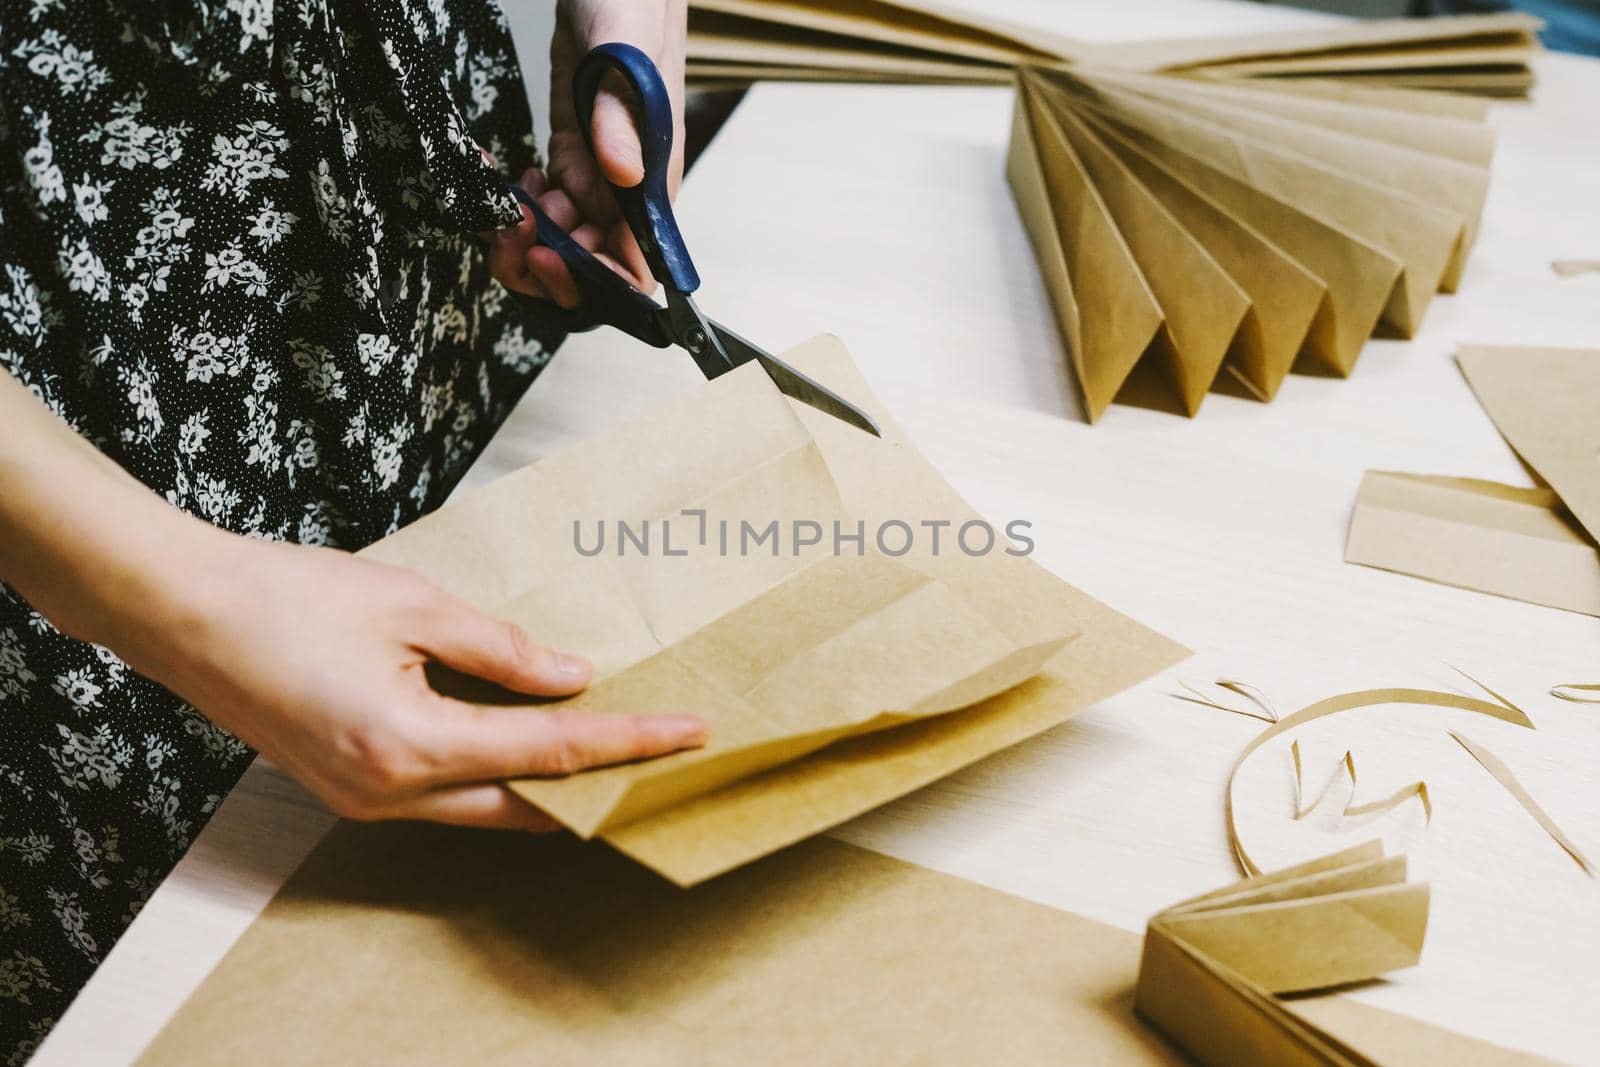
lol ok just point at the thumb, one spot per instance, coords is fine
(502, 652)
(616, 140)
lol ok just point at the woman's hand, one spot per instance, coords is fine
(574, 192)
(315, 657)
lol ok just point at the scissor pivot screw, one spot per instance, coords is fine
(697, 340)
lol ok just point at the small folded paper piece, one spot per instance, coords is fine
(1212, 965)
(1493, 538)
(834, 678)
(1189, 228)
(921, 40)
(414, 944)
(1544, 403)
(1577, 692)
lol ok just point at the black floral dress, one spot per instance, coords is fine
(238, 253)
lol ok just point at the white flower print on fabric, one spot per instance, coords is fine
(269, 225)
(246, 155)
(129, 143)
(241, 258)
(79, 687)
(39, 163)
(85, 760)
(231, 267)
(90, 198)
(73, 70)
(15, 677)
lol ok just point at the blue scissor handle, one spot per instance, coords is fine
(605, 298)
(647, 206)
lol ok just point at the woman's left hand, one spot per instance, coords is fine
(574, 192)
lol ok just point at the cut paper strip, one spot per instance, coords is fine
(1543, 402)
(1571, 268)
(1493, 538)
(1576, 693)
(833, 677)
(1502, 774)
(1262, 709)
(1213, 965)
(1499, 708)
(1346, 768)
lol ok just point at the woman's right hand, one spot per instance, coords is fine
(315, 658)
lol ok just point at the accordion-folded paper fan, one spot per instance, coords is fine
(1190, 230)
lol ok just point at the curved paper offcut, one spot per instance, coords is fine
(1503, 710)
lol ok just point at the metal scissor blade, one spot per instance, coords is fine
(793, 382)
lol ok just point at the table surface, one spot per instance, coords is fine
(1225, 532)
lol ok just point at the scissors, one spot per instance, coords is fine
(605, 298)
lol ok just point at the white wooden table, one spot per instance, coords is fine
(1225, 532)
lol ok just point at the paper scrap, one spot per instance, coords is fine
(1498, 708)
(1571, 268)
(1502, 774)
(1346, 768)
(1543, 401)
(1493, 538)
(1262, 709)
(422, 944)
(1212, 965)
(1576, 693)
(836, 675)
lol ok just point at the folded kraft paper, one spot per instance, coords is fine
(1541, 545)
(1213, 965)
(848, 627)
(926, 41)
(1190, 231)
(424, 945)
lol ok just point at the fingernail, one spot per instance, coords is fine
(572, 666)
(683, 729)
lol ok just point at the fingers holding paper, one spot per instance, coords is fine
(322, 662)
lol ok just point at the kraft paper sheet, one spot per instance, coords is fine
(1537, 544)
(1212, 965)
(422, 945)
(832, 683)
(1494, 538)
(1543, 402)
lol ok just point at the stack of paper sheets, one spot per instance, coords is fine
(928, 41)
(836, 673)
(1534, 544)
